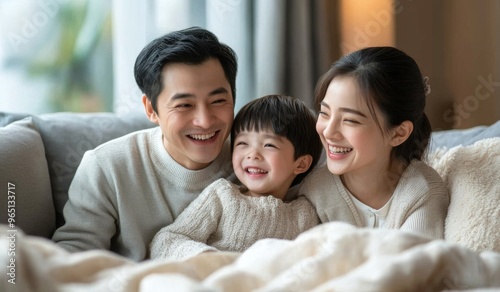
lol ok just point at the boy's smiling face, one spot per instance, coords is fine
(264, 162)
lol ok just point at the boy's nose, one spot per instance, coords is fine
(253, 154)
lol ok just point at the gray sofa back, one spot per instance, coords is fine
(39, 155)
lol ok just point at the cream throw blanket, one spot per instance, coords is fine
(330, 257)
(472, 174)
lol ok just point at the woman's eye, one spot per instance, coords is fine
(322, 114)
(351, 121)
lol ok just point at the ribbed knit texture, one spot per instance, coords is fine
(419, 202)
(125, 190)
(222, 218)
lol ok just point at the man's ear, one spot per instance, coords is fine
(148, 107)
(401, 133)
(302, 164)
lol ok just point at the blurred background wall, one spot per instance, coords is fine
(78, 55)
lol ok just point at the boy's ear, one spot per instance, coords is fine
(302, 164)
(148, 107)
(401, 133)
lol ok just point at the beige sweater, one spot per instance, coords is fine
(419, 203)
(224, 219)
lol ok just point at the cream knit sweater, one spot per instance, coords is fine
(419, 203)
(222, 218)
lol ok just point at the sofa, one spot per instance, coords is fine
(39, 155)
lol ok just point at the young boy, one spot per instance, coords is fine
(275, 145)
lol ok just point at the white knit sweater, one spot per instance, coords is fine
(222, 218)
(419, 203)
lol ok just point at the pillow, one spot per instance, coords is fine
(465, 137)
(7, 118)
(472, 175)
(67, 136)
(24, 169)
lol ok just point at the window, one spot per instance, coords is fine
(55, 55)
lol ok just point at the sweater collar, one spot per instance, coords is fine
(187, 178)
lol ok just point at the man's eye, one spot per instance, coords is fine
(219, 101)
(183, 106)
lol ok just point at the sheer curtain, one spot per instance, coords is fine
(282, 46)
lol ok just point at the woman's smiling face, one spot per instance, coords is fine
(350, 134)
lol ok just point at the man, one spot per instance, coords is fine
(125, 190)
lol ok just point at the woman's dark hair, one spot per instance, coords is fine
(190, 46)
(391, 80)
(286, 117)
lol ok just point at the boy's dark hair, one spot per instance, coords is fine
(190, 46)
(391, 80)
(286, 117)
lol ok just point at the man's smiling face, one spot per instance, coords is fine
(195, 111)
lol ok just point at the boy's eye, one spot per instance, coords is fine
(237, 143)
(270, 145)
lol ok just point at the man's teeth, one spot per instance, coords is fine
(340, 150)
(202, 136)
(255, 170)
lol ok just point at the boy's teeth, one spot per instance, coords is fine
(342, 150)
(203, 136)
(256, 170)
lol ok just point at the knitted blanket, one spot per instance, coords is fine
(472, 174)
(330, 257)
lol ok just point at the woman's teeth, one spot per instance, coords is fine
(339, 150)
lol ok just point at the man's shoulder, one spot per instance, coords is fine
(125, 149)
(134, 138)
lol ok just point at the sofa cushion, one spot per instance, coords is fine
(67, 136)
(464, 137)
(23, 167)
(7, 118)
(471, 174)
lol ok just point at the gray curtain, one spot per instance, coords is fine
(283, 46)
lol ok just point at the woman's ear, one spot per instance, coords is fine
(148, 107)
(302, 164)
(401, 133)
